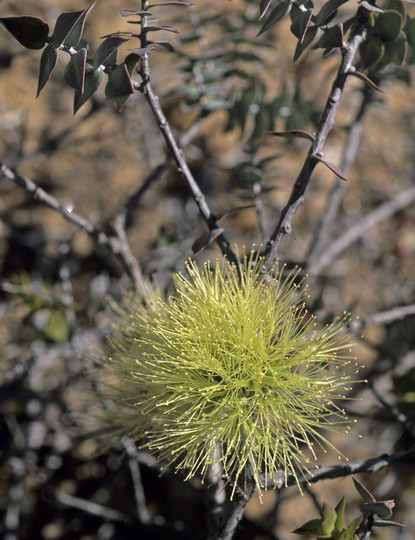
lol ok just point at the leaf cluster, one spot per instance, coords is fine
(331, 523)
(83, 72)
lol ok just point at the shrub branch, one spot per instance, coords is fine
(283, 227)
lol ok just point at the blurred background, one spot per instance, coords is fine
(222, 90)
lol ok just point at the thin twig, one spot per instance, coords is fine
(104, 512)
(120, 220)
(383, 317)
(119, 247)
(381, 213)
(140, 499)
(401, 418)
(173, 146)
(371, 465)
(297, 195)
(234, 513)
(350, 152)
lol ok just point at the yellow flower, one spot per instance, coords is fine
(231, 369)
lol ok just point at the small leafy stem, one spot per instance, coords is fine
(283, 227)
(172, 144)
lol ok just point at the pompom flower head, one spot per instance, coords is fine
(230, 370)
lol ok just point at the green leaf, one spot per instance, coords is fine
(395, 52)
(352, 528)
(333, 168)
(327, 10)
(119, 83)
(383, 509)
(263, 7)
(47, 65)
(31, 32)
(371, 6)
(332, 37)
(170, 3)
(130, 61)
(57, 327)
(389, 25)
(300, 23)
(323, 527)
(410, 31)
(366, 79)
(157, 28)
(165, 44)
(363, 492)
(131, 13)
(74, 74)
(387, 523)
(206, 239)
(65, 23)
(338, 525)
(394, 5)
(93, 79)
(106, 48)
(310, 35)
(288, 134)
(275, 15)
(72, 40)
(371, 51)
(111, 61)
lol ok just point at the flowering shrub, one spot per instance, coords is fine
(231, 369)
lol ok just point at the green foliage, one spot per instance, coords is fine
(390, 41)
(31, 32)
(44, 308)
(331, 524)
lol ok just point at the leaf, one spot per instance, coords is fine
(65, 23)
(130, 13)
(275, 15)
(263, 7)
(310, 35)
(332, 37)
(157, 28)
(165, 44)
(389, 25)
(206, 239)
(47, 65)
(371, 6)
(323, 527)
(302, 134)
(363, 77)
(119, 83)
(383, 509)
(170, 3)
(75, 35)
(352, 528)
(327, 10)
(338, 525)
(74, 73)
(31, 32)
(410, 31)
(142, 51)
(371, 51)
(107, 47)
(387, 523)
(111, 61)
(363, 492)
(130, 61)
(300, 23)
(57, 327)
(331, 166)
(93, 79)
